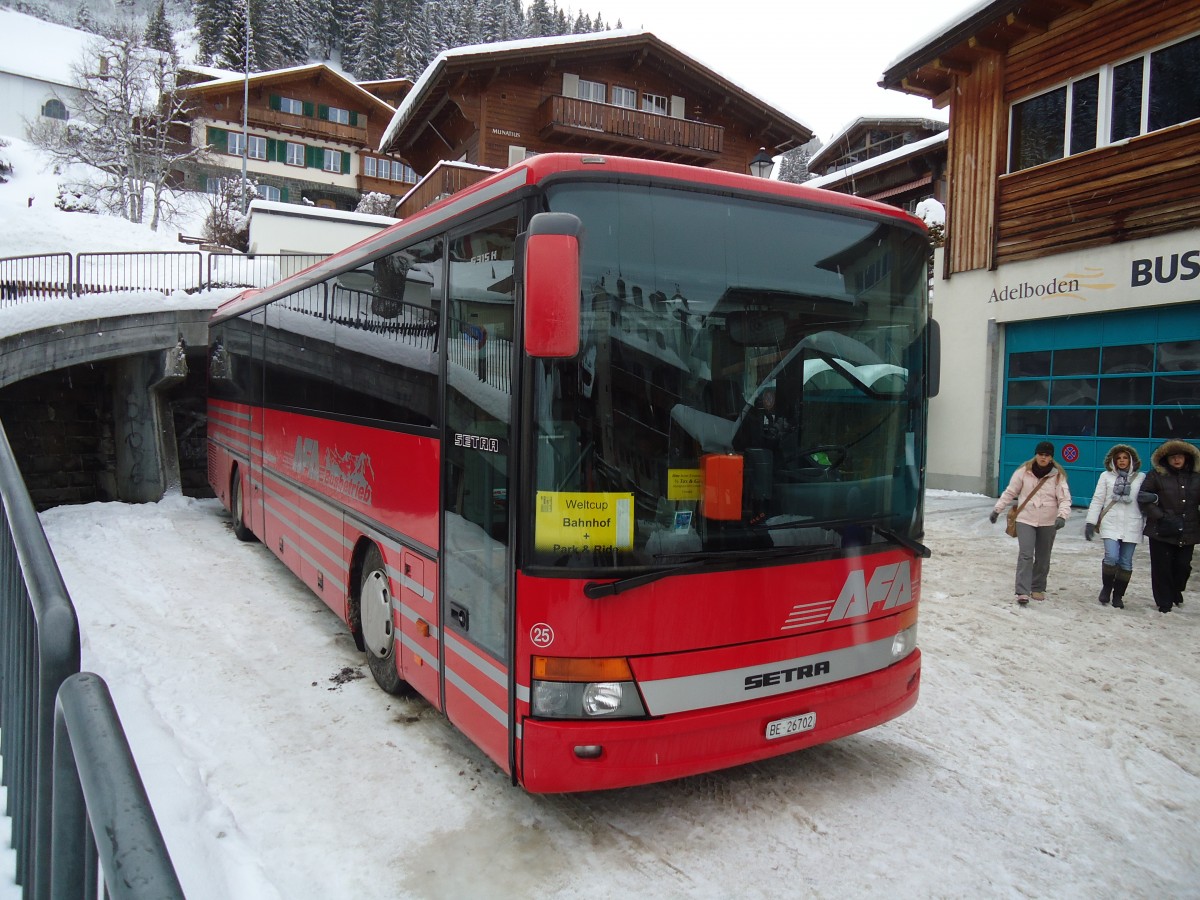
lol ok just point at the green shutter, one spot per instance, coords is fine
(308, 108)
(354, 118)
(323, 112)
(217, 137)
(272, 150)
(283, 195)
(275, 102)
(345, 163)
(315, 157)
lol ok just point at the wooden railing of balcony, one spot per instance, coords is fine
(446, 181)
(271, 118)
(561, 115)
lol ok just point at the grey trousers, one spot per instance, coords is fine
(1033, 556)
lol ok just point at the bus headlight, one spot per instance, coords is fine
(579, 689)
(905, 642)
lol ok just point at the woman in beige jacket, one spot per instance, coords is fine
(1046, 509)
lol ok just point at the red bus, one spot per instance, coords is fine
(618, 463)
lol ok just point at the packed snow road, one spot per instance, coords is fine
(1055, 750)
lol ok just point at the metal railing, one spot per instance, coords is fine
(39, 652)
(47, 276)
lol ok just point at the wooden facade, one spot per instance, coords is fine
(1010, 51)
(492, 106)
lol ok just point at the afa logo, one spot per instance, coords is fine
(890, 585)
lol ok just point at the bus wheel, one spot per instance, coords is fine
(237, 506)
(378, 631)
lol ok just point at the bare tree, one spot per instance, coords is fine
(128, 128)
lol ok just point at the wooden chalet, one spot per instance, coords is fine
(894, 159)
(311, 134)
(620, 92)
(1011, 58)
(1069, 289)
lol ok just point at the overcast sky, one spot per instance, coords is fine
(818, 62)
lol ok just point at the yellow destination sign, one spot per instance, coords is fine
(574, 522)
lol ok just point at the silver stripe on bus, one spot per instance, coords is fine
(417, 650)
(277, 501)
(412, 615)
(673, 695)
(500, 715)
(523, 693)
(481, 664)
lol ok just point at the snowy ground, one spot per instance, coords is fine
(1053, 752)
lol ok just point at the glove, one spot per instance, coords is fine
(1170, 526)
(993, 517)
(1089, 531)
(1147, 498)
(1059, 523)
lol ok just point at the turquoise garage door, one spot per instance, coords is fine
(1088, 382)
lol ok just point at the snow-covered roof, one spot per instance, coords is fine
(223, 79)
(42, 50)
(879, 162)
(275, 207)
(414, 98)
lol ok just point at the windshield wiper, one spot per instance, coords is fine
(694, 562)
(907, 543)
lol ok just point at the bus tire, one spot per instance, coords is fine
(378, 629)
(237, 501)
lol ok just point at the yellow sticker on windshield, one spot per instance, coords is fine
(576, 522)
(685, 484)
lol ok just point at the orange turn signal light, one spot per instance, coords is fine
(560, 668)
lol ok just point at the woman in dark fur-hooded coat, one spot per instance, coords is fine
(1172, 520)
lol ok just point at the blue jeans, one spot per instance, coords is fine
(1119, 554)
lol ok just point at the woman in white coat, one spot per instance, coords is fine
(1116, 516)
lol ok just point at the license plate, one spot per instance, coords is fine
(791, 725)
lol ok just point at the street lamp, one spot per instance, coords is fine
(762, 164)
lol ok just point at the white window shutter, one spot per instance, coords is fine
(570, 85)
(515, 154)
(678, 105)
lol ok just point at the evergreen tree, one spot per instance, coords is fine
(84, 20)
(212, 19)
(158, 34)
(369, 48)
(231, 52)
(539, 22)
(294, 22)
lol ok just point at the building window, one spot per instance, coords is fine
(332, 161)
(591, 90)
(269, 192)
(258, 147)
(369, 163)
(403, 172)
(214, 184)
(290, 105)
(340, 116)
(385, 168)
(1120, 101)
(295, 154)
(55, 109)
(655, 103)
(237, 145)
(623, 96)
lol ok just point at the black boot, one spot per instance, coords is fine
(1120, 583)
(1107, 575)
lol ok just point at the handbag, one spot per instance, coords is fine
(1011, 528)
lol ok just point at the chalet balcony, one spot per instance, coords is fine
(444, 180)
(308, 125)
(616, 129)
(369, 184)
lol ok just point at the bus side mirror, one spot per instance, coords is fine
(934, 363)
(552, 291)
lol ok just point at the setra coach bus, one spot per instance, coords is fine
(618, 463)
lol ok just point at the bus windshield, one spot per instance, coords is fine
(751, 376)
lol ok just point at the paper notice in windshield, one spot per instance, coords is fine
(574, 522)
(685, 484)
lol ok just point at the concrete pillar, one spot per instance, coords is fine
(144, 430)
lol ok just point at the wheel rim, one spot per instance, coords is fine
(376, 603)
(236, 502)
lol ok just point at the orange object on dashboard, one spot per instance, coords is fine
(722, 485)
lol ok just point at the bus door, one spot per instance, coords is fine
(476, 564)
